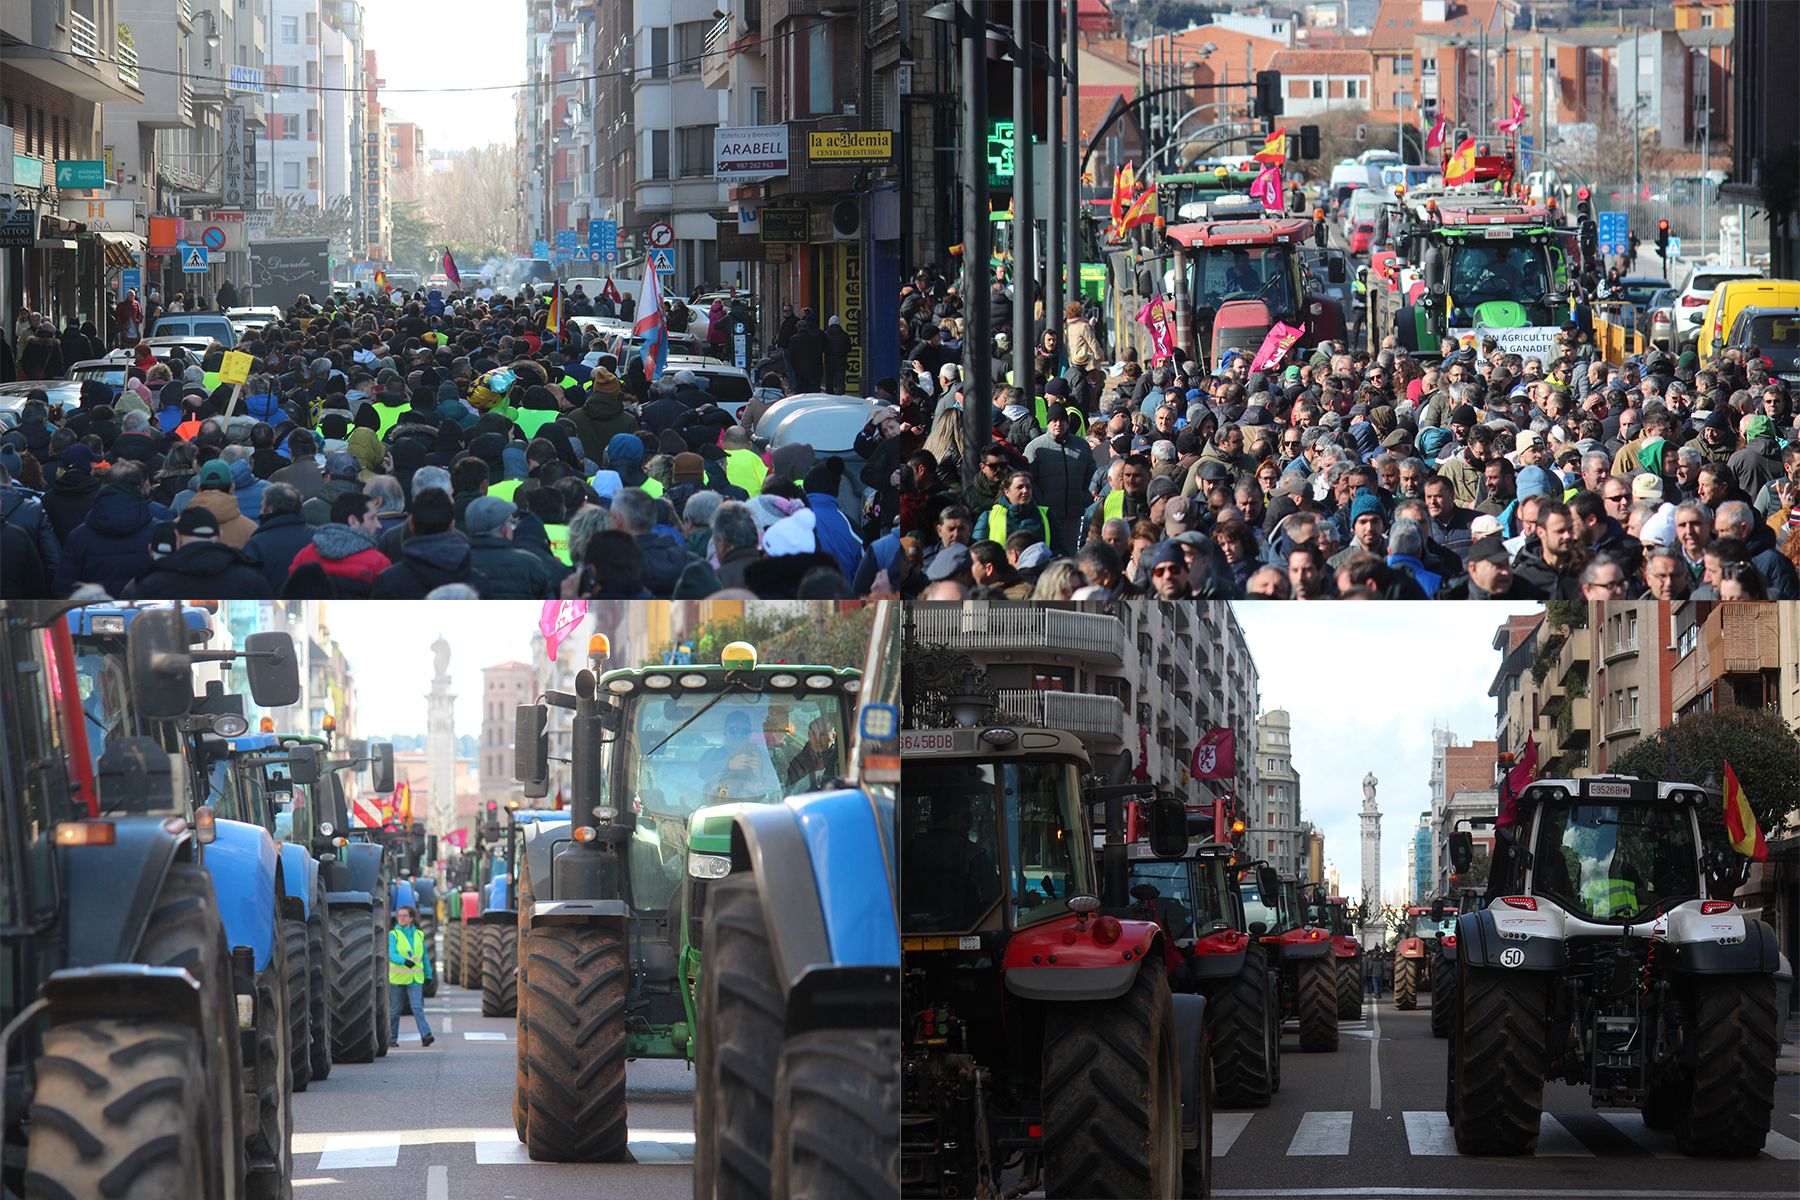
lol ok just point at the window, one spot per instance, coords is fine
(1356, 89)
(290, 128)
(1318, 89)
(659, 53)
(290, 175)
(312, 26)
(690, 45)
(1631, 702)
(1428, 64)
(1400, 99)
(312, 74)
(819, 64)
(1631, 631)
(759, 106)
(1706, 20)
(312, 124)
(290, 31)
(1403, 64)
(659, 154)
(262, 177)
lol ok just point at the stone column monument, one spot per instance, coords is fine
(1374, 933)
(440, 732)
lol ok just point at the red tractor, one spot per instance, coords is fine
(1233, 280)
(1416, 955)
(1300, 952)
(1333, 912)
(1041, 1045)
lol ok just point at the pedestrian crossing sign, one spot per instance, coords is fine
(664, 258)
(193, 259)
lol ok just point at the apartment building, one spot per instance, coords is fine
(407, 158)
(504, 687)
(1726, 656)
(1274, 827)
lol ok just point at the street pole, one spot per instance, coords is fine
(1062, 149)
(1705, 148)
(1072, 221)
(978, 342)
(1024, 225)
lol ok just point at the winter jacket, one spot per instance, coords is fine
(303, 476)
(663, 560)
(275, 543)
(22, 575)
(1464, 477)
(1535, 579)
(1756, 465)
(1776, 570)
(732, 567)
(1059, 474)
(68, 501)
(833, 532)
(211, 569)
(513, 573)
(112, 547)
(23, 508)
(234, 527)
(347, 555)
(599, 420)
(429, 561)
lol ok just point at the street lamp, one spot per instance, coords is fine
(212, 35)
(968, 702)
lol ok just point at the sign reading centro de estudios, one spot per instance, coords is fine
(850, 147)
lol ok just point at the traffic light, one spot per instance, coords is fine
(1268, 94)
(1309, 142)
(1587, 228)
(1662, 237)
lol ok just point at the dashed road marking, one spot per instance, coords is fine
(1428, 1134)
(1226, 1128)
(484, 1037)
(1555, 1141)
(344, 1151)
(1321, 1133)
(437, 1183)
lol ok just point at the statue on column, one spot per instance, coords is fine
(1368, 786)
(440, 652)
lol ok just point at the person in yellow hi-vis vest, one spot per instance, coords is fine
(743, 466)
(409, 966)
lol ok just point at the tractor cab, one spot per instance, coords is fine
(1234, 279)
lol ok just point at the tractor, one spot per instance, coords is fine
(1041, 1045)
(800, 944)
(1195, 900)
(1234, 279)
(1608, 953)
(1300, 952)
(1416, 953)
(1334, 914)
(663, 757)
(498, 919)
(137, 668)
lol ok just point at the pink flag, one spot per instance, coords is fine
(1267, 187)
(1154, 316)
(1435, 138)
(558, 620)
(1281, 339)
(1511, 124)
(457, 838)
(450, 271)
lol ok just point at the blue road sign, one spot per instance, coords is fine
(565, 239)
(540, 249)
(609, 240)
(1674, 248)
(1615, 233)
(664, 258)
(193, 259)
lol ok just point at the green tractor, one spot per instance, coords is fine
(611, 902)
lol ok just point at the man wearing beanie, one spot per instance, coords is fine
(202, 565)
(1368, 531)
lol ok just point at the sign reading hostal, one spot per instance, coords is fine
(850, 147)
(750, 151)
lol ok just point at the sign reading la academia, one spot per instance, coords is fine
(750, 151)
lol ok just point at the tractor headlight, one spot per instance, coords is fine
(708, 866)
(114, 625)
(246, 1012)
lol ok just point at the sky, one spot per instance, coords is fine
(388, 646)
(1365, 684)
(452, 43)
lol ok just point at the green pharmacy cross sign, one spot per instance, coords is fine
(1000, 152)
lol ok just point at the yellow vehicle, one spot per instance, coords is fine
(1620, 330)
(1732, 297)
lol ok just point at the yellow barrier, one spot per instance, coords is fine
(1618, 333)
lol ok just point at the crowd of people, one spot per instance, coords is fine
(453, 446)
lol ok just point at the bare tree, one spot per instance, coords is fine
(473, 203)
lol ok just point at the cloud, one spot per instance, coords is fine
(1364, 685)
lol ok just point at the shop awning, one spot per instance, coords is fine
(53, 244)
(121, 250)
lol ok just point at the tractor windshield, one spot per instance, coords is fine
(105, 697)
(964, 822)
(1425, 927)
(703, 748)
(1185, 897)
(1255, 910)
(1499, 270)
(1222, 273)
(1615, 862)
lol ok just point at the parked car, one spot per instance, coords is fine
(163, 348)
(1733, 296)
(1775, 332)
(1696, 290)
(1662, 318)
(62, 393)
(729, 386)
(827, 423)
(245, 321)
(110, 371)
(215, 326)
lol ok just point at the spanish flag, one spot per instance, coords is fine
(1142, 210)
(1117, 207)
(1460, 167)
(1275, 149)
(1740, 822)
(381, 280)
(553, 316)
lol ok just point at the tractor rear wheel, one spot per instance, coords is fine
(453, 952)
(500, 972)
(1498, 1055)
(1406, 983)
(1736, 1027)
(293, 933)
(1350, 988)
(118, 1113)
(1316, 995)
(270, 1146)
(474, 950)
(353, 1010)
(318, 991)
(1239, 1013)
(739, 1015)
(574, 1071)
(836, 1093)
(1112, 1094)
(1443, 996)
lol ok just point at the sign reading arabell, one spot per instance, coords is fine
(750, 151)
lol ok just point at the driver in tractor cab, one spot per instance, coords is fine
(952, 877)
(816, 762)
(1500, 276)
(1597, 874)
(1241, 276)
(741, 766)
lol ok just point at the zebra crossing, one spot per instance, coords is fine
(1330, 1133)
(482, 1148)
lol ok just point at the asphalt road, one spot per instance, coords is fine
(435, 1123)
(1369, 1120)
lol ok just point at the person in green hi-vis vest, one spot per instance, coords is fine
(409, 966)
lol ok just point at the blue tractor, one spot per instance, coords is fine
(800, 977)
(357, 879)
(500, 910)
(136, 671)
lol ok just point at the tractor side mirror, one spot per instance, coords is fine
(1433, 269)
(531, 748)
(381, 767)
(273, 668)
(1168, 827)
(304, 764)
(431, 847)
(1268, 886)
(1462, 850)
(136, 776)
(1334, 271)
(1258, 928)
(1437, 910)
(162, 683)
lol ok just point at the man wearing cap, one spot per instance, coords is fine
(202, 565)
(343, 475)
(951, 564)
(303, 474)
(1490, 574)
(1717, 440)
(217, 493)
(512, 573)
(1061, 463)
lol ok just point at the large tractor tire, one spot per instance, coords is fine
(1498, 1055)
(118, 1112)
(318, 992)
(293, 935)
(1406, 983)
(573, 1106)
(1349, 988)
(453, 953)
(474, 950)
(1316, 994)
(1736, 1029)
(1239, 1014)
(269, 1149)
(185, 930)
(354, 1010)
(740, 1018)
(1196, 1163)
(836, 1093)
(500, 972)
(1443, 997)
(1112, 1094)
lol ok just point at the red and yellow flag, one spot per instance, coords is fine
(381, 280)
(1740, 822)
(1117, 207)
(1275, 149)
(553, 316)
(1460, 167)
(1142, 210)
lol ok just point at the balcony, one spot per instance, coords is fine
(1094, 637)
(715, 58)
(1099, 720)
(84, 36)
(65, 49)
(128, 67)
(1573, 659)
